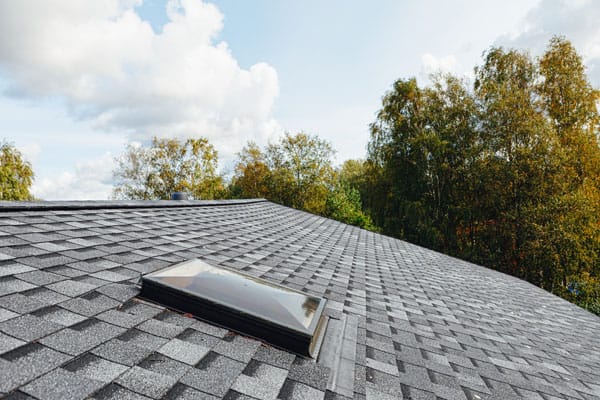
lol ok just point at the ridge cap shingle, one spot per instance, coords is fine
(20, 206)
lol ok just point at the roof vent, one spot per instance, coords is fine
(178, 196)
(279, 315)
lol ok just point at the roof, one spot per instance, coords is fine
(404, 321)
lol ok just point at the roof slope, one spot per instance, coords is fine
(405, 322)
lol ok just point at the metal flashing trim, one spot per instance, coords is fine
(339, 354)
(284, 317)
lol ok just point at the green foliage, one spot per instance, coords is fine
(571, 104)
(343, 201)
(167, 166)
(251, 174)
(300, 171)
(16, 175)
(583, 290)
(423, 142)
(296, 171)
(343, 204)
(506, 173)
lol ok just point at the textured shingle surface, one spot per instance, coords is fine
(405, 322)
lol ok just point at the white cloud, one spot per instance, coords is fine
(91, 180)
(109, 67)
(576, 20)
(431, 64)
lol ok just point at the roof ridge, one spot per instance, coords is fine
(10, 206)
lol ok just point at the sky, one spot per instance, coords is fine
(80, 80)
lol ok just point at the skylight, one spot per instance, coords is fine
(279, 315)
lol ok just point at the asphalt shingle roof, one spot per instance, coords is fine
(404, 321)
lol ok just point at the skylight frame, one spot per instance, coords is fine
(246, 321)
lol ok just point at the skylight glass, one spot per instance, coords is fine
(282, 316)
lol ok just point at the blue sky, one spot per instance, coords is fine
(78, 83)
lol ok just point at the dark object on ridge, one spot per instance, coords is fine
(179, 196)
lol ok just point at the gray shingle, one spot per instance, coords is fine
(96, 368)
(19, 247)
(111, 276)
(119, 292)
(26, 363)
(233, 395)
(273, 356)
(293, 390)
(237, 347)
(146, 382)
(83, 254)
(202, 339)
(164, 365)
(18, 396)
(185, 352)
(90, 280)
(91, 304)
(122, 352)
(374, 394)
(20, 303)
(46, 296)
(6, 314)
(62, 385)
(215, 374)
(182, 392)
(60, 316)
(71, 287)
(13, 269)
(66, 271)
(143, 339)
(209, 329)
(260, 380)
(51, 247)
(29, 327)
(8, 343)
(116, 392)
(92, 266)
(10, 285)
(46, 260)
(129, 315)
(174, 318)
(161, 328)
(82, 337)
(308, 372)
(40, 278)
(125, 258)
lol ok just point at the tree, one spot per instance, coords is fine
(572, 228)
(167, 166)
(520, 165)
(251, 173)
(422, 144)
(505, 174)
(343, 202)
(353, 173)
(571, 104)
(301, 172)
(16, 175)
(297, 172)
